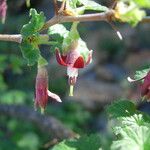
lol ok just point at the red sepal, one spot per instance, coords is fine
(79, 63)
(60, 59)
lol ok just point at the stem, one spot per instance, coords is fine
(146, 19)
(16, 37)
(104, 16)
(11, 38)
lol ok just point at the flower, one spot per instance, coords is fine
(3, 9)
(73, 60)
(145, 86)
(41, 89)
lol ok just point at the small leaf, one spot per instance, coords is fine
(143, 3)
(59, 30)
(31, 37)
(141, 73)
(30, 53)
(129, 12)
(71, 37)
(63, 146)
(92, 5)
(91, 142)
(121, 108)
(35, 24)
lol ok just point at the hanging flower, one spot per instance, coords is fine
(3, 10)
(145, 86)
(41, 89)
(73, 60)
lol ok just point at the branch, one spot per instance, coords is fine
(104, 16)
(146, 19)
(47, 124)
(55, 7)
(11, 38)
(15, 38)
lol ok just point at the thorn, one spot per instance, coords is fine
(131, 80)
(119, 35)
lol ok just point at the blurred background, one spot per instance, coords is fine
(102, 82)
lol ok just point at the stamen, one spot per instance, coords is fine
(71, 90)
(42, 111)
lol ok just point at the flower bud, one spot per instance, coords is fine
(41, 89)
(3, 10)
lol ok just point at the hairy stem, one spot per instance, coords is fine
(16, 37)
(104, 16)
(11, 38)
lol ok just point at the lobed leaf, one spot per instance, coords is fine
(92, 142)
(31, 38)
(121, 108)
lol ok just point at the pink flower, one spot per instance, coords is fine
(41, 89)
(3, 10)
(73, 60)
(145, 86)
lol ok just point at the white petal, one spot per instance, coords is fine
(54, 96)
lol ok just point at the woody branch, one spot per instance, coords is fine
(104, 16)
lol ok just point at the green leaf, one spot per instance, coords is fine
(63, 146)
(30, 52)
(71, 37)
(35, 24)
(92, 5)
(133, 132)
(141, 73)
(143, 3)
(91, 142)
(72, 3)
(121, 108)
(128, 11)
(31, 38)
(58, 30)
